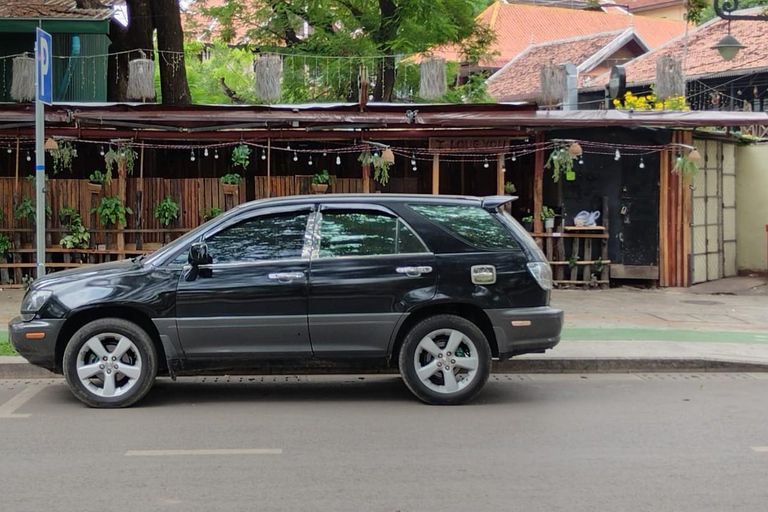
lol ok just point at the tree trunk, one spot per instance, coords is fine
(170, 39)
(385, 74)
(136, 36)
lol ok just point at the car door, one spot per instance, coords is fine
(250, 302)
(368, 267)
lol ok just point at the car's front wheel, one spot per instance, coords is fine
(445, 360)
(110, 362)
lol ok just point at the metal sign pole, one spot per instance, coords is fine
(43, 95)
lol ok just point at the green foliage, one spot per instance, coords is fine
(111, 211)
(509, 188)
(599, 265)
(547, 213)
(212, 213)
(573, 261)
(78, 237)
(650, 102)
(241, 156)
(5, 245)
(684, 166)
(527, 218)
(474, 91)
(222, 67)
(26, 210)
(231, 179)
(322, 178)
(380, 167)
(560, 161)
(67, 213)
(62, 157)
(167, 211)
(101, 178)
(124, 154)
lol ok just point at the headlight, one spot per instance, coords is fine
(542, 272)
(32, 303)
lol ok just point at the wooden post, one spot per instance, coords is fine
(436, 174)
(269, 167)
(663, 228)
(463, 178)
(500, 175)
(139, 202)
(121, 171)
(605, 275)
(17, 258)
(538, 184)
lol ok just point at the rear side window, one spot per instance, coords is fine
(359, 233)
(471, 224)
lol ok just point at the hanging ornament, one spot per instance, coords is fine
(23, 82)
(191, 155)
(695, 157)
(575, 150)
(432, 82)
(263, 154)
(205, 153)
(268, 70)
(51, 145)
(642, 164)
(618, 156)
(338, 159)
(141, 79)
(310, 160)
(387, 156)
(295, 157)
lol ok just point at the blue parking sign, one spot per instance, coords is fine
(43, 56)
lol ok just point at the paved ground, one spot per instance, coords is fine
(665, 442)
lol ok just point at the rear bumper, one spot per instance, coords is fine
(40, 351)
(525, 330)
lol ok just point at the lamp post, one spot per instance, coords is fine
(729, 46)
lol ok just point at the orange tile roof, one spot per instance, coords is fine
(517, 26)
(520, 78)
(62, 9)
(702, 60)
(644, 5)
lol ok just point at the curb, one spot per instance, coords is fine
(18, 368)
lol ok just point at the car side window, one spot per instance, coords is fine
(365, 233)
(266, 237)
(471, 224)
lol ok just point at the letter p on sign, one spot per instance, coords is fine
(44, 67)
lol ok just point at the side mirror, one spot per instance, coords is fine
(198, 254)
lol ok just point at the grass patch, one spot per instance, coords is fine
(6, 349)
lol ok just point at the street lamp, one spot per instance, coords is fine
(728, 47)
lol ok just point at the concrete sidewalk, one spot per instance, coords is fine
(622, 329)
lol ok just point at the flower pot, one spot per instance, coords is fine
(94, 188)
(549, 223)
(230, 189)
(319, 188)
(528, 226)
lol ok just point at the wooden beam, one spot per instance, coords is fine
(663, 194)
(538, 185)
(269, 167)
(500, 175)
(436, 174)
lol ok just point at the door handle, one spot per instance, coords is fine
(414, 271)
(286, 277)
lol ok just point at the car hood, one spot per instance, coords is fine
(88, 272)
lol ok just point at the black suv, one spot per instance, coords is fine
(436, 285)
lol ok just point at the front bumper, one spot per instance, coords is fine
(525, 330)
(40, 348)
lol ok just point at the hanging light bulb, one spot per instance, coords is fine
(192, 155)
(288, 147)
(263, 154)
(295, 157)
(338, 159)
(415, 168)
(504, 169)
(486, 164)
(325, 153)
(310, 160)
(514, 157)
(29, 157)
(205, 152)
(581, 160)
(9, 149)
(642, 164)
(413, 159)
(618, 156)
(216, 154)
(101, 150)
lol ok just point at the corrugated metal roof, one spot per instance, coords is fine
(47, 9)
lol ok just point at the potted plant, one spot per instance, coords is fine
(241, 156)
(78, 236)
(527, 222)
(548, 216)
(97, 179)
(124, 156)
(231, 183)
(510, 188)
(380, 166)
(62, 156)
(26, 210)
(320, 182)
(212, 213)
(111, 211)
(67, 214)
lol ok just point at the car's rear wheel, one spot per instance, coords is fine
(445, 360)
(110, 362)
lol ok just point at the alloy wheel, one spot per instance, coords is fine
(109, 365)
(446, 361)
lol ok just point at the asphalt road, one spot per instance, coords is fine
(682, 442)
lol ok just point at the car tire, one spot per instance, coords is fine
(110, 363)
(445, 360)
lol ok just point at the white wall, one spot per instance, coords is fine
(752, 210)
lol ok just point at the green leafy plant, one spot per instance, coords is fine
(509, 188)
(241, 156)
(380, 167)
(685, 166)
(26, 210)
(231, 179)
(78, 237)
(124, 154)
(26, 281)
(560, 161)
(322, 178)
(67, 213)
(599, 265)
(573, 262)
(527, 218)
(212, 213)
(5, 245)
(547, 213)
(62, 157)
(167, 211)
(101, 178)
(111, 211)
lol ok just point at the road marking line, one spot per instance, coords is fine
(760, 448)
(8, 408)
(244, 451)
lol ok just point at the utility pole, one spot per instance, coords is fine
(43, 85)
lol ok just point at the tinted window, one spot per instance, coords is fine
(268, 237)
(470, 223)
(365, 234)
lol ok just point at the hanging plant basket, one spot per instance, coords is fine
(269, 72)
(141, 80)
(94, 188)
(432, 83)
(319, 188)
(23, 83)
(230, 190)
